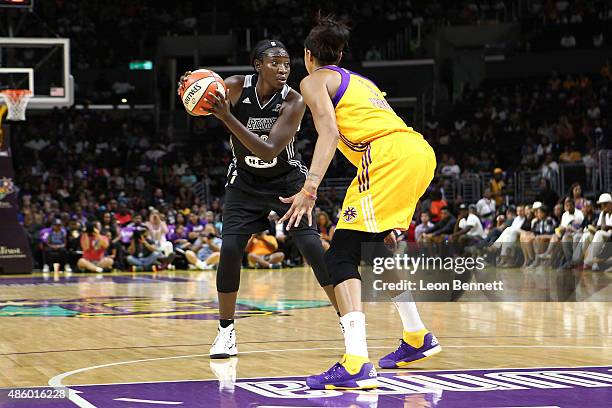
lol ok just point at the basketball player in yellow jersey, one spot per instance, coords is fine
(394, 167)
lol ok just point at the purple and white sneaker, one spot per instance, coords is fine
(406, 354)
(337, 378)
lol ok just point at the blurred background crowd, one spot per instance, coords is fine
(104, 189)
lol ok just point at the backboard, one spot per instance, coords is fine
(41, 65)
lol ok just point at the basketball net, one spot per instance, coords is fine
(16, 100)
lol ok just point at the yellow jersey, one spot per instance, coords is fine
(362, 114)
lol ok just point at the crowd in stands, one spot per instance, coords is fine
(112, 186)
(94, 219)
(116, 238)
(570, 12)
(81, 166)
(562, 24)
(100, 190)
(571, 232)
(526, 125)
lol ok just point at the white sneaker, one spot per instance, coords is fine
(45, 269)
(203, 266)
(224, 345)
(67, 269)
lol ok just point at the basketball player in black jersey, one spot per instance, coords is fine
(263, 115)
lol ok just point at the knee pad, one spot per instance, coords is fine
(345, 253)
(309, 245)
(228, 272)
(341, 265)
(322, 275)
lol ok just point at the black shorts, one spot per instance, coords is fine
(249, 200)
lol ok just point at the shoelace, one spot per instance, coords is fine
(228, 340)
(399, 348)
(334, 372)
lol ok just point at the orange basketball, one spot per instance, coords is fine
(195, 91)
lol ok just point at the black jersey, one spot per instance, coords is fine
(260, 119)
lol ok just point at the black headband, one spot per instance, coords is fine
(263, 46)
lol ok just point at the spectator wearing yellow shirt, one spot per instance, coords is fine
(569, 83)
(262, 251)
(498, 186)
(570, 154)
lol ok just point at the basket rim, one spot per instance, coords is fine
(16, 92)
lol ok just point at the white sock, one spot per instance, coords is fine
(99, 270)
(408, 312)
(355, 334)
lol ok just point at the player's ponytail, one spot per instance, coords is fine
(327, 40)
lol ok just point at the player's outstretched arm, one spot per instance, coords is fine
(281, 134)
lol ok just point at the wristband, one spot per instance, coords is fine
(309, 194)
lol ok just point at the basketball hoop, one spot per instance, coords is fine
(17, 101)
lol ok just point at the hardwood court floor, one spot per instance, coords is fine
(125, 327)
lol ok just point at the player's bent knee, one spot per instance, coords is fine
(277, 257)
(227, 282)
(341, 267)
(227, 289)
(228, 273)
(106, 263)
(191, 256)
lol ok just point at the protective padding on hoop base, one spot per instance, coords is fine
(17, 101)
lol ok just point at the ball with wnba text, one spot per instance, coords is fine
(195, 90)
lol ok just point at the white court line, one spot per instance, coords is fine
(144, 401)
(304, 375)
(73, 396)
